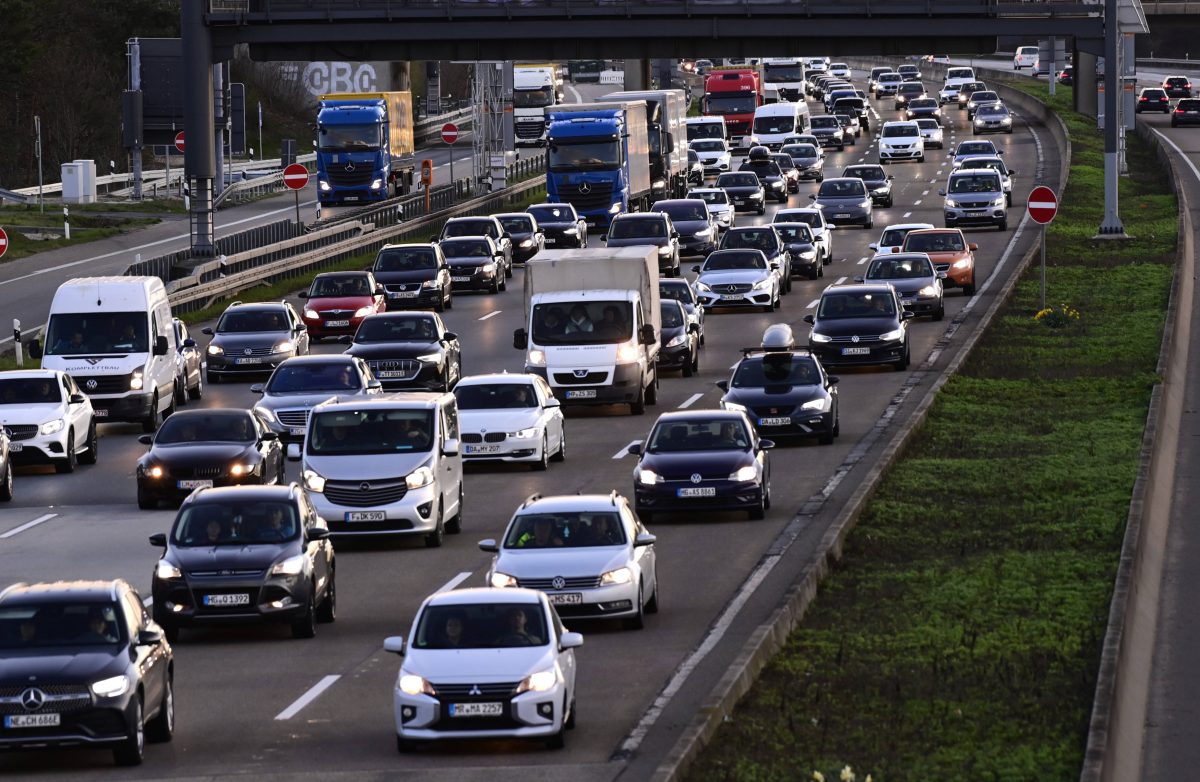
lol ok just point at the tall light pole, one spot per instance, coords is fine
(37, 148)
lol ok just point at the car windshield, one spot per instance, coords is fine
(803, 151)
(569, 529)
(899, 268)
(751, 238)
(303, 377)
(551, 214)
(672, 314)
(975, 183)
(740, 103)
(855, 304)
(244, 522)
(495, 396)
(466, 248)
(992, 111)
(811, 217)
(710, 196)
(923, 103)
(848, 104)
(680, 290)
(481, 626)
(709, 145)
(993, 164)
(725, 260)
(975, 148)
(870, 173)
(683, 213)
(699, 434)
(71, 334)
(763, 169)
(912, 88)
(338, 285)
(1154, 93)
(406, 260)
(939, 242)
(893, 131)
(411, 328)
(826, 121)
(841, 188)
(637, 228)
(784, 162)
(699, 130)
(582, 322)
(519, 224)
(776, 369)
(73, 623)
(959, 73)
(884, 78)
(794, 233)
(370, 431)
(782, 123)
(245, 321)
(1177, 81)
(737, 180)
(894, 237)
(584, 155)
(928, 124)
(977, 97)
(348, 138)
(782, 73)
(470, 228)
(234, 426)
(30, 391)
(536, 98)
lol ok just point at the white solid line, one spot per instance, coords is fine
(691, 400)
(812, 304)
(308, 697)
(29, 525)
(491, 314)
(454, 582)
(621, 454)
(908, 214)
(575, 92)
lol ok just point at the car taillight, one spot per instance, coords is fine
(1178, 110)
(1188, 85)
(1143, 98)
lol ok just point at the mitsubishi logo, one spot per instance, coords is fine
(33, 699)
(580, 373)
(584, 188)
(696, 477)
(91, 385)
(558, 582)
(247, 351)
(854, 338)
(475, 690)
(364, 486)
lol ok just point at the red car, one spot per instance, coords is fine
(338, 301)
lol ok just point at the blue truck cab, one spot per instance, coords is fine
(364, 146)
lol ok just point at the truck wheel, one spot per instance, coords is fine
(652, 391)
(638, 406)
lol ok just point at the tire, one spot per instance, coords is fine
(696, 361)
(93, 448)
(305, 625)
(508, 271)
(571, 721)
(969, 290)
(6, 484)
(1008, 199)
(1003, 225)
(405, 746)
(869, 224)
(941, 312)
(198, 391)
(686, 368)
(132, 750)
(162, 728)
(71, 460)
(921, 159)
(454, 525)
(890, 203)
(561, 454)
(902, 364)
(541, 464)
(825, 438)
(145, 501)
(441, 304)
(151, 424)
(558, 740)
(437, 537)
(181, 395)
(327, 611)
(495, 287)
(638, 620)
(759, 512)
(652, 391)
(762, 209)
(170, 411)
(638, 406)
(652, 603)
(449, 301)
(504, 284)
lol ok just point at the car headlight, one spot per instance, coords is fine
(762, 285)
(817, 337)
(536, 358)
(267, 413)
(928, 290)
(542, 681)
(892, 335)
(526, 244)
(50, 427)
(112, 687)
(757, 196)
(1006, 121)
(216, 350)
(951, 203)
(292, 566)
(615, 208)
(362, 312)
(707, 232)
(702, 286)
(154, 471)
(324, 186)
(166, 571)
(430, 283)
(376, 184)
(962, 264)
(648, 477)
(814, 404)
(978, 120)
(678, 341)
(418, 478)
(776, 185)
(502, 580)
(743, 474)
(311, 314)
(488, 268)
(808, 254)
(621, 575)
(430, 358)
(999, 201)
(525, 434)
(627, 352)
(572, 231)
(314, 481)
(411, 684)
(866, 204)
(135, 381)
(286, 346)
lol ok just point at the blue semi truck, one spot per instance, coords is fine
(598, 158)
(364, 146)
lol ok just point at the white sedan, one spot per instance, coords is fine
(49, 419)
(485, 664)
(510, 418)
(718, 204)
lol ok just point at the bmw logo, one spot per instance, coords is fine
(33, 699)
(558, 582)
(91, 385)
(696, 477)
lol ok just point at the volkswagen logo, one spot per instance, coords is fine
(33, 699)
(475, 690)
(558, 582)
(696, 477)
(402, 287)
(584, 188)
(91, 385)
(247, 351)
(364, 486)
(854, 338)
(580, 373)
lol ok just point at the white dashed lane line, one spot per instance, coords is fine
(907, 214)
(313, 693)
(29, 525)
(691, 400)
(621, 454)
(454, 582)
(811, 304)
(491, 314)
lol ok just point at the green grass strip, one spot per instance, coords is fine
(959, 636)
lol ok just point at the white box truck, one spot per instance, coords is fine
(592, 323)
(665, 112)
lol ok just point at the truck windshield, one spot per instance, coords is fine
(361, 432)
(533, 98)
(349, 138)
(779, 73)
(742, 103)
(584, 155)
(582, 322)
(73, 334)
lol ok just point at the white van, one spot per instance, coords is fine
(705, 127)
(115, 337)
(955, 78)
(1026, 57)
(774, 123)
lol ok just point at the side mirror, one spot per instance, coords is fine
(890, 177)
(766, 445)
(551, 403)
(570, 641)
(316, 533)
(520, 339)
(722, 384)
(77, 399)
(300, 295)
(858, 279)
(449, 336)
(374, 385)
(379, 291)
(346, 339)
(506, 235)
(674, 234)
(257, 388)
(834, 380)
(808, 319)
(942, 191)
(694, 328)
(395, 645)
(146, 439)
(35, 349)
(434, 238)
(148, 637)
(498, 256)
(972, 247)
(1000, 152)
(774, 264)
(604, 237)
(647, 336)
(293, 452)
(873, 246)
(1012, 172)
(159, 539)
(207, 330)
(907, 315)
(488, 544)
(635, 449)
(268, 437)
(450, 447)
(160, 345)
(941, 275)
(696, 269)
(645, 539)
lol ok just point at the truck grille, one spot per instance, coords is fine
(375, 493)
(529, 130)
(570, 379)
(103, 384)
(599, 196)
(360, 175)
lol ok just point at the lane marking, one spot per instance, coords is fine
(571, 89)
(907, 214)
(917, 202)
(454, 582)
(621, 454)
(491, 314)
(924, 192)
(691, 400)
(839, 280)
(29, 524)
(308, 697)
(812, 304)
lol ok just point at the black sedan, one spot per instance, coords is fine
(681, 290)
(81, 665)
(527, 238)
(245, 554)
(254, 338)
(744, 190)
(786, 393)
(562, 225)
(702, 460)
(878, 182)
(808, 159)
(476, 264)
(845, 201)
(679, 340)
(209, 447)
(414, 276)
(860, 325)
(923, 107)
(802, 247)
(408, 351)
(914, 278)
(1187, 112)
(696, 226)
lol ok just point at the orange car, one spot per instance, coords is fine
(950, 252)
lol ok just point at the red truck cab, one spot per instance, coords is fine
(734, 93)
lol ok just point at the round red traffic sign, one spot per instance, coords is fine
(295, 177)
(179, 141)
(3, 242)
(1043, 205)
(449, 132)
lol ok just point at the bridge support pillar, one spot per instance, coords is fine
(637, 74)
(199, 158)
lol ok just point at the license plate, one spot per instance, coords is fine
(476, 709)
(15, 447)
(732, 297)
(550, 242)
(403, 294)
(483, 449)
(841, 215)
(99, 412)
(333, 324)
(296, 431)
(251, 360)
(195, 484)
(701, 491)
(240, 599)
(350, 198)
(774, 421)
(366, 515)
(32, 721)
(737, 202)
(856, 351)
(1192, 112)
(390, 374)
(976, 212)
(460, 279)
(583, 393)
(569, 599)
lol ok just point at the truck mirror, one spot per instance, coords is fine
(647, 336)
(35, 348)
(520, 339)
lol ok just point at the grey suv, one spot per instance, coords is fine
(254, 338)
(975, 197)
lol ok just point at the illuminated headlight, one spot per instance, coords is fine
(615, 208)
(866, 204)
(362, 312)
(951, 203)
(817, 337)
(702, 286)
(314, 481)
(311, 314)
(962, 264)
(808, 254)
(542, 681)
(762, 285)
(891, 336)
(419, 478)
(525, 245)
(238, 470)
(285, 346)
(1006, 121)
(292, 566)
(324, 186)
(677, 341)
(743, 474)
(112, 687)
(411, 684)
(165, 570)
(999, 201)
(376, 184)
(815, 404)
(536, 358)
(880, 190)
(216, 350)
(135, 382)
(488, 268)
(707, 232)
(571, 231)
(50, 427)
(430, 283)
(776, 185)
(525, 434)
(430, 358)
(502, 580)
(648, 477)
(155, 471)
(621, 575)
(757, 196)
(927, 291)
(627, 352)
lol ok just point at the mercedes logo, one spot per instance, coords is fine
(584, 188)
(475, 690)
(364, 486)
(33, 699)
(247, 351)
(349, 166)
(558, 582)
(854, 338)
(91, 385)
(696, 477)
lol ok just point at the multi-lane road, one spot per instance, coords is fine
(255, 701)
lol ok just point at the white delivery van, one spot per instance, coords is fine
(115, 337)
(1026, 57)
(705, 127)
(774, 123)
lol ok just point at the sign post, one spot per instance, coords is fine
(450, 135)
(295, 178)
(1042, 207)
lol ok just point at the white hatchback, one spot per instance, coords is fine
(718, 204)
(892, 238)
(1025, 57)
(510, 418)
(49, 419)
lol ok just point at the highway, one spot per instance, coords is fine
(254, 701)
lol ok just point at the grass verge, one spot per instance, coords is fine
(85, 227)
(959, 636)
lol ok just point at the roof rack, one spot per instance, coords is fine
(747, 352)
(613, 497)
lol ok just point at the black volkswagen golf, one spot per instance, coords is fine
(408, 350)
(860, 324)
(245, 554)
(82, 665)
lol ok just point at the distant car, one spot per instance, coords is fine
(476, 264)
(878, 182)
(196, 449)
(975, 197)
(337, 302)
(992, 119)
(718, 203)
(901, 141)
(1152, 99)
(301, 383)
(767, 239)
(695, 169)
(679, 339)
(1067, 75)
(408, 351)
(759, 162)
(921, 108)
(681, 290)
(909, 72)
(828, 130)
(892, 238)
(527, 238)
(1025, 57)
(950, 252)
(851, 127)
(791, 172)
(561, 224)
(1187, 112)
(980, 99)
(860, 325)
(931, 132)
(845, 201)
(839, 69)
(967, 149)
(414, 276)
(191, 360)
(693, 222)
(488, 226)
(253, 338)
(737, 278)
(49, 421)
(914, 278)
(963, 92)
(808, 159)
(802, 248)
(816, 221)
(744, 189)
(714, 154)
(887, 84)
(909, 91)
(510, 418)
(647, 228)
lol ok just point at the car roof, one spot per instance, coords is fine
(525, 215)
(554, 204)
(863, 287)
(265, 306)
(495, 377)
(679, 201)
(241, 493)
(198, 411)
(411, 246)
(408, 400)
(900, 256)
(342, 274)
(907, 226)
(570, 503)
(937, 231)
(475, 595)
(29, 374)
(403, 314)
(321, 358)
(710, 413)
(44, 592)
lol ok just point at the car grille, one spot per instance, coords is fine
(855, 339)
(103, 384)
(410, 367)
(357, 176)
(197, 472)
(530, 129)
(335, 314)
(59, 698)
(292, 418)
(490, 437)
(736, 287)
(686, 476)
(569, 582)
(252, 351)
(974, 204)
(772, 412)
(252, 573)
(599, 196)
(570, 379)
(22, 431)
(493, 690)
(365, 494)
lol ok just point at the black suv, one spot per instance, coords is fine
(414, 275)
(408, 350)
(1178, 86)
(1187, 112)
(561, 224)
(82, 665)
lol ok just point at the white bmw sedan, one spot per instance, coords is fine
(510, 418)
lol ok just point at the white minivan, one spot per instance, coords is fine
(115, 337)
(777, 121)
(1026, 57)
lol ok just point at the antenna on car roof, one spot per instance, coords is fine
(531, 498)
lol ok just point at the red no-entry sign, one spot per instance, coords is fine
(3, 242)
(295, 176)
(449, 133)
(179, 141)
(1043, 205)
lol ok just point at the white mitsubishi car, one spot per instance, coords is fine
(49, 419)
(510, 418)
(485, 664)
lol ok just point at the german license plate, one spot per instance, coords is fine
(699, 491)
(403, 294)
(99, 412)
(366, 515)
(856, 351)
(32, 721)
(739, 202)
(460, 279)
(15, 447)
(841, 215)
(569, 599)
(391, 373)
(483, 449)
(296, 431)
(551, 241)
(582, 393)
(195, 484)
(774, 421)
(732, 297)
(251, 360)
(239, 599)
(333, 324)
(476, 709)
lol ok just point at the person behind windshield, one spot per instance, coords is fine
(543, 535)
(611, 324)
(188, 434)
(275, 525)
(552, 322)
(454, 630)
(603, 531)
(345, 378)
(579, 322)
(126, 337)
(213, 532)
(516, 634)
(731, 436)
(72, 344)
(99, 630)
